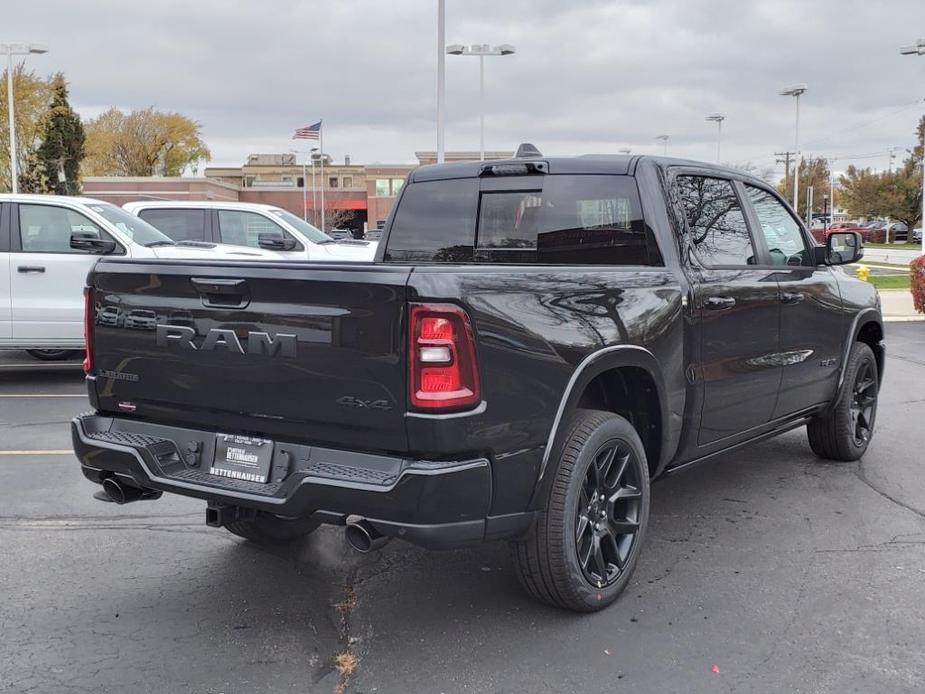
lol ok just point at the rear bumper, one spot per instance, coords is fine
(437, 504)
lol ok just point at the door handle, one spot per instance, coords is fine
(31, 268)
(792, 297)
(718, 303)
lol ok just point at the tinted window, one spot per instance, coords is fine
(241, 228)
(48, 229)
(435, 222)
(715, 221)
(178, 224)
(571, 220)
(583, 220)
(780, 230)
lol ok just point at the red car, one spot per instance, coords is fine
(820, 234)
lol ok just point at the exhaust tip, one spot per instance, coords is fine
(114, 490)
(362, 536)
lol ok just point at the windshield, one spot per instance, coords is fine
(136, 229)
(311, 233)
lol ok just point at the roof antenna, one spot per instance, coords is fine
(527, 150)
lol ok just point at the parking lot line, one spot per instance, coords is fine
(61, 452)
(43, 395)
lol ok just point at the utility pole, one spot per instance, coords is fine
(785, 161)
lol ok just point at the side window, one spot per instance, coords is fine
(48, 228)
(780, 230)
(435, 222)
(573, 220)
(715, 221)
(178, 224)
(240, 228)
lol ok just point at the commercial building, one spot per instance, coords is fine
(356, 196)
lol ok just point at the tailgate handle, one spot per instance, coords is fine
(219, 286)
(222, 293)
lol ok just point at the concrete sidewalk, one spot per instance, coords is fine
(897, 306)
(900, 256)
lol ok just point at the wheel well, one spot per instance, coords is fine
(871, 334)
(630, 392)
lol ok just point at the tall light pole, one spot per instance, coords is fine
(795, 91)
(664, 139)
(481, 50)
(441, 75)
(12, 49)
(311, 155)
(718, 118)
(919, 49)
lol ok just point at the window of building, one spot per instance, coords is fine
(178, 224)
(382, 188)
(397, 183)
(300, 182)
(348, 181)
(380, 224)
(332, 182)
(240, 228)
(781, 231)
(715, 221)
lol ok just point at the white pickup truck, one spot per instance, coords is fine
(48, 245)
(249, 224)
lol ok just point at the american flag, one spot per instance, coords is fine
(309, 132)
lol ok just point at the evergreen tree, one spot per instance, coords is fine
(62, 147)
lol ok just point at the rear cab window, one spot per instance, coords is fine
(179, 224)
(561, 219)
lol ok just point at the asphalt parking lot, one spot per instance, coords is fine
(765, 570)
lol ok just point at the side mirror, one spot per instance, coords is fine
(275, 242)
(91, 242)
(841, 248)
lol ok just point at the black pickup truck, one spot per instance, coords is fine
(537, 340)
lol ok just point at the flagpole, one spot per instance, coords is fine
(321, 144)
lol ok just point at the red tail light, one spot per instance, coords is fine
(443, 373)
(88, 329)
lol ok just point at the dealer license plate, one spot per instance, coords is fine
(242, 458)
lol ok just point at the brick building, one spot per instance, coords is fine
(355, 196)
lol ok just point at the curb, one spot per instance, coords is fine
(903, 319)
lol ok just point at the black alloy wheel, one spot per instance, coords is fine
(607, 521)
(863, 406)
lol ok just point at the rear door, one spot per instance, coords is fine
(179, 223)
(286, 351)
(47, 276)
(738, 307)
(812, 322)
(5, 299)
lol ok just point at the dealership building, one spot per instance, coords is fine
(356, 196)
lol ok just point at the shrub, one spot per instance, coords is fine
(917, 269)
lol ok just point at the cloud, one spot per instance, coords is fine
(587, 75)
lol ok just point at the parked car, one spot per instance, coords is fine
(541, 338)
(47, 246)
(249, 224)
(820, 234)
(917, 234)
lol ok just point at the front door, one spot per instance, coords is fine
(5, 301)
(812, 322)
(47, 276)
(737, 308)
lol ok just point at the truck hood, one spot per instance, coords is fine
(214, 251)
(358, 252)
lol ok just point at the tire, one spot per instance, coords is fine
(267, 529)
(547, 559)
(53, 354)
(844, 431)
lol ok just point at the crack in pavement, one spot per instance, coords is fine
(859, 473)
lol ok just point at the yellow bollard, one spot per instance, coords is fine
(862, 273)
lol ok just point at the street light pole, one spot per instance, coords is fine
(311, 155)
(718, 118)
(664, 139)
(919, 49)
(795, 92)
(481, 50)
(12, 49)
(441, 75)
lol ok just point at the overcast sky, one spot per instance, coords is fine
(588, 75)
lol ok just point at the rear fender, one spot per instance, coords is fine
(592, 366)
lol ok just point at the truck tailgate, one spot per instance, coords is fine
(306, 352)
